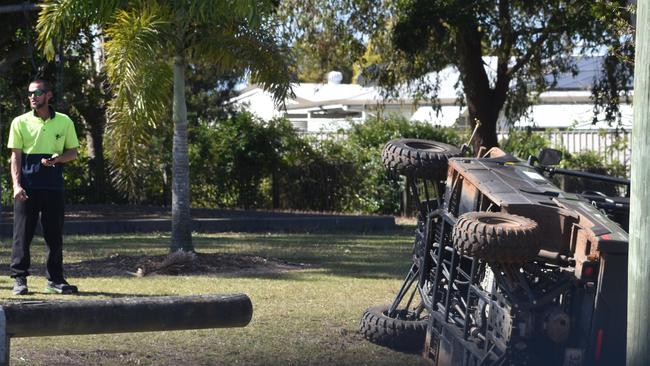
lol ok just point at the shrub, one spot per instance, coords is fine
(380, 192)
(321, 178)
(248, 163)
(592, 162)
(524, 143)
(376, 131)
(230, 160)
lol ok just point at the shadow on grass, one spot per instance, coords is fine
(380, 256)
(36, 291)
(43, 297)
(367, 256)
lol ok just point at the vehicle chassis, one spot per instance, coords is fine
(564, 307)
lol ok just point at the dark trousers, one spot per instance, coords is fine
(49, 205)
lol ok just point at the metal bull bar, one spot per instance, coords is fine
(124, 315)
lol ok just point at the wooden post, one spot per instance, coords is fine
(123, 315)
(275, 189)
(4, 339)
(405, 197)
(638, 303)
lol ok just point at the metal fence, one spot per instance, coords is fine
(318, 137)
(612, 145)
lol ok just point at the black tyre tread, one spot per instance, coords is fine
(398, 334)
(497, 243)
(401, 156)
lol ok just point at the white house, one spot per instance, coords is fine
(329, 106)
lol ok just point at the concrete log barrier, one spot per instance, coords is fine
(124, 315)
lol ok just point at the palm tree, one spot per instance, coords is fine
(150, 43)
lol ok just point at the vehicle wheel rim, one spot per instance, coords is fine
(425, 146)
(498, 221)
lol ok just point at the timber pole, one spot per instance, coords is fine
(124, 315)
(638, 291)
(138, 314)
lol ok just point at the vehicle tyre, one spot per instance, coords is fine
(496, 237)
(400, 333)
(418, 158)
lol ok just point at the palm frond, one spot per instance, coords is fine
(240, 48)
(141, 79)
(134, 52)
(61, 19)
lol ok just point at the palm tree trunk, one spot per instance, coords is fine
(181, 217)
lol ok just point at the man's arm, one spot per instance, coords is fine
(68, 155)
(16, 159)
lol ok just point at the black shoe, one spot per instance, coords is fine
(20, 286)
(60, 287)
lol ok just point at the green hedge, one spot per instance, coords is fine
(244, 162)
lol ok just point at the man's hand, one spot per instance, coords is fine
(49, 161)
(20, 194)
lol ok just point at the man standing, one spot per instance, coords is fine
(41, 141)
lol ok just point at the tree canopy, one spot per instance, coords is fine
(322, 36)
(530, 42)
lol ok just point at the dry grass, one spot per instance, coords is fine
(301, 316)
(406, 221)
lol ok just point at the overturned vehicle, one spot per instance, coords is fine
(507, 268)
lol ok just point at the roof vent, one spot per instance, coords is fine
(334, 77)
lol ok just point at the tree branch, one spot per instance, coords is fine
(508, 38)
(545, 33)
(526, 58)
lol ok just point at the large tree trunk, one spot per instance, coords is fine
(181, 217)
(484, 110)
(483, 102)
(94, 118)
(96, 164)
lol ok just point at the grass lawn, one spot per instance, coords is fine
(301, 317)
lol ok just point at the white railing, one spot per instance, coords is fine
(611, 144)
(324, 136)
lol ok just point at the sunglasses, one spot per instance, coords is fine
(36, 93)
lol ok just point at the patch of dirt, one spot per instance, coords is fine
(200, 264)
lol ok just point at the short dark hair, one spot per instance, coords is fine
(45, 83)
